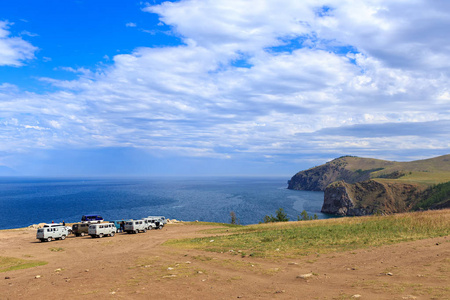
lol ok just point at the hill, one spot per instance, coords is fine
(362, 186)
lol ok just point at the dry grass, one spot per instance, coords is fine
(290, 239)
(12, 263)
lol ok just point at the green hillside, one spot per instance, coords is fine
(361, 186)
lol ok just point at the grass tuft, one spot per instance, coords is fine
(12, 264)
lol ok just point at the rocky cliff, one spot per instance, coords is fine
(357, 186)
(340, 169)
(370, 197)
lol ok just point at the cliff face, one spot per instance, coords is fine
(318, 178)
(369, 197)
(357, 186)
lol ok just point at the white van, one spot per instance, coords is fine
(150, 223)
(163, 220)
(134, 226)
(158, 221)
(52, 231)
(102, 229)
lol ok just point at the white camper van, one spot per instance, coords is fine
(150, 223)
(134, 226)
(52, 231)
(102, 229)
(159, 221)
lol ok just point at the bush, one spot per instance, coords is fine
(281, 216)
(305, 217)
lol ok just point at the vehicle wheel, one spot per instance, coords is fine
(160, 227)
(136, 231)
(82, 234)
(49, 239)
(145, 230)
(100, 235)
(112, 234)
(63, 237)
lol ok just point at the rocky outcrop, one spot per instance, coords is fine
(356, 186)
(337, 201)
(318, 178)
(369, 197)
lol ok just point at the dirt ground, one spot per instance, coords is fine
(138, 266)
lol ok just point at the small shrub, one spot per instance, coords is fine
(281, 216)
(305, 217)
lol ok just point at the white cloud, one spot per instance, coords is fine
(14, 51)
(297, 68)
(131, 24)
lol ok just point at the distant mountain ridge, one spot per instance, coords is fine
(362, 186)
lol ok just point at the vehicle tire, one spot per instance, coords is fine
(100, 235)
(63, 237)
(49, 239)
(112, 234)
(160, 227)
(82, 234)
(136, 231)
(145, 230)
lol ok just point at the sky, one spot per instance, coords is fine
(220, 87)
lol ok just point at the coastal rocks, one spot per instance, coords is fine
(338, 200)
(368, 197)
(36, 226)
(318, 178)
(173, 221)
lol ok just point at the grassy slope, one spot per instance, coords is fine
(428, 171)
(288, 239)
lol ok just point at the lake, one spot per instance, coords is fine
(26, 201)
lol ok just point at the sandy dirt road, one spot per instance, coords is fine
(139, 266)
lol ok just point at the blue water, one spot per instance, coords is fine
(26, 201)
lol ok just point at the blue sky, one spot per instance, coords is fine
(219, 87)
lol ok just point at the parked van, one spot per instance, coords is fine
(163, 220)
(80, 229)
(120, 224)
(91, 219)
(156, 224)
(158, 221)
(52, 231)
(134, 226)
(102, 229)
(150, 223)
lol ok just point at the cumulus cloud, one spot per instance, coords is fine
(260, 78)
(14, 51)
